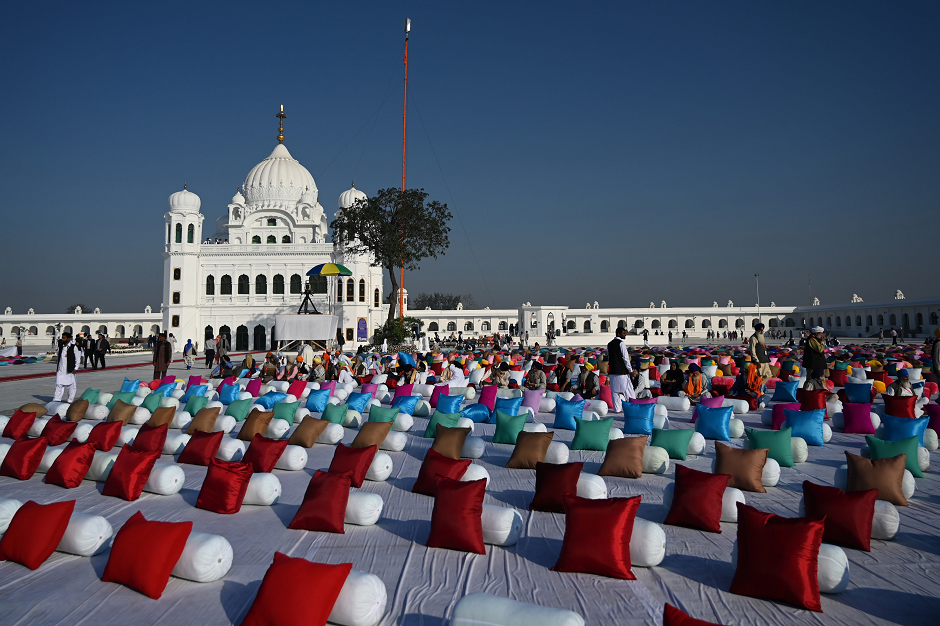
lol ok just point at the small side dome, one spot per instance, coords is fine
(349, 197)
(185, 200)
(309, 197)
(238, 198)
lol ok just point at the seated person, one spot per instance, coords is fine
(901, 386)
(816, 380)
(590, 383)
(502, 376)
(695, 384)
(748, 383)
(224, 368)
(535, 379)
(671, 382)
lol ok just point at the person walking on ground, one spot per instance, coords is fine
(172, 341)
(814, 353)
(65, 370)
(894, 337)
(19, 345)
(646, 337)
(189, 354)
(101, 349)
(757, 348)
(210, 352)
(619, 370)
(670, 337)
(162, 356)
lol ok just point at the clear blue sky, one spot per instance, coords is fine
(622, 152)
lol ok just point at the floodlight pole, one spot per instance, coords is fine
(404, 126)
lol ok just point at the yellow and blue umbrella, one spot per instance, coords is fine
(329, 269)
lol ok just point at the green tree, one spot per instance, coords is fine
(398, 229)
(441, 301)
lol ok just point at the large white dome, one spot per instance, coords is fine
(349, 197)
(280, 178)
(184, 200)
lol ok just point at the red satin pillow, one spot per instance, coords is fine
(324, 505)
(597, 536)
(674, 617)
(144, 554)
(436, 464)
(297, 591)
(130, 473)
(224, 487)
(71, 466)
(23, 458)
(900, 406)
(778, 558)
(263, 453)
(812, 400)
(105, 434)
(696, 502)
(151, 437)
(457, 518)
(552, 482)
(34, 532)
(57, 430)
(356, 461)
(201, 448)
(19, 425)
(847, 516)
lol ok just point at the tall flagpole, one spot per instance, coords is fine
(404, 126)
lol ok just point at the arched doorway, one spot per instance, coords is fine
(208, 333)
(241, 338)
(225, 335)
(260, 338)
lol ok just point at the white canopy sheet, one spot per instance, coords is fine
(305, 327)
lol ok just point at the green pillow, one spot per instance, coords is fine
(444, 419)
(152, 401)
(335, 413)
(777, 443)
(886, 449)
(91, 395)
(285, 411)
(196, 404)
(508, 427)
(383, 414)
(239, 409)
(675, 441)
(591, 435)
(126, 396)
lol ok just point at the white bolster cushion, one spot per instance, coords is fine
(923, 458)
(371, 403)
(8, 508)
(557, 453)
(4, 420)
(361, 601)
(770, 475)
(475, 472)
(473, 448)
(826, 432)
(547, 405)
(353, 419)
(36, 427)
(404, 422)
(381, 467)
(140, 416)
(277, 428)
(341, 394)
(82, 431)
(502, 525)
(833, 407)
(674, 404)
(231, 449)
(293, 459)
(661, 422)
(660, 411)
(86, 535)
(127, 436)
(729, 500)
(332, 435)
(279, 386)
(841, 478)
(832, 572)
(647, 544)
(57, 408)
(244, 395)
(334, 400)
(181, 420)
(422, 408)
(48, 458)
(655, 460)
(735, 428)
(96, 413)
(464, 422)
(263, 490)
(598, 406)
(301, 413)
(363, 508)
(424, 389)
(170, 402)
(696, 444)
(165, 479)
(930, 439)
(592, 487)
(206, 557)
(104, 397)
(175, 443)
(737, 406)
(211, 404)
(101, 466)
(537, 427)
(798, 449)
(394, 441)
(483, 609)
(224, 423)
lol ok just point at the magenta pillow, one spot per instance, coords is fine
(642, 400)
(933, 410)
(438, 390)
(194, 380)
(404, 390)
(253, 387)
(488, 397)
(857, 418)
(712, 403)
(778, 417)
(331, 385)
(370, 388)
(168, 380)
(532, 398)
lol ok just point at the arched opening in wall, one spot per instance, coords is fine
(906, 320)
(672, 324)
(689, 324)
(881, 320)
(858, 320)
(119, 331)
(244, 284)
(138, 330)
(811, 324)
(432, 327)
(829, 320)
(655, 325)
(210, 285)
(868, 321)
(550, 321)
(790, 322)
(503, 325)
(190, 233)
(339, 289)
(571, 325)
(207, 333)
(241, 339)
(67, 329)
(638, 324)
(318, 284)
(225, 336)
(848, 321)
(485, 326)
(708, 323)
(285, 239)
(179, 233)
(587, 326)
(256, 239)
(773, 323)
(755, 322)
(261, 284)
(376, 299)
(838, 320)
(893, 319)
(622, 324)
(739, 323)
(272, 239)
(86, 330)
(451, 326)
(101, 329)
(722, 323)
(225, 287)
(154, 329)
(296, 283)
(277, 286)
(50, 331)
(604, 326)
(274, 337)
(934, 319)
(350, 290)
(362, 290)
(468, 326)
(168, 233)
(920, 319)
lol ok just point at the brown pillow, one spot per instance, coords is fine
(121, 412)
(744, 466)
(77, 410)
(255, 424)
(204, 420)
(725, 369)
(308, 432)
(885, 475)
(624, 458)
(530, 449)
(371, 434)
(34, 407)
(162, 415)
(449, 441)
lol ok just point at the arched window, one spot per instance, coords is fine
(838, 320)
(261, 286)
(256, 239)
(272, 221)
(722, 323)
(689, 324)
(350, 290)
(210, 285)
(168, 233)
(272, 239)
(571, 325)
(829, 320)
(432, 327)
(503, 326)
(225, 287)
(190, 233)
(848, 320)
(225, 335)
(208, 334)
(87, 329)
(119, 331)
(867, 320)
(278, 285)
(708, 323)
(243, 285)
(739, 323)
(622, 324)
(587, 326)
(934, 319)
(362, 290)
(920, 319)
(485, 326)
(906, 320)
(318, 284)
(654, 324)
(881, 320)
(296, 283)
(638, 324)
(858, 320)
(773, 322)
(179, 233)
(241, 338)
(339, 289)
(451, 326)
(285, 239)
(790, 322)
(468, 326)
(260, 338)
(893, 320)
(375, 299)
(811, 322)
(50, 331)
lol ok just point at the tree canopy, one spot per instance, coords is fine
(441, 301)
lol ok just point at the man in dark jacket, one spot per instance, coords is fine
(101, 349)
(162, 356)
(814, 354)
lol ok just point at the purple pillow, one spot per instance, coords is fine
(168, 380)
(576, 397)
(712, 403)
(404, 390)
(438, 390)
(253, 387)
(532, 398)
(488, 397)
(857, 418)
(778, 417)
(642, 400)
(193, 380)
(933, 410)
(370, 388)
(331, 385)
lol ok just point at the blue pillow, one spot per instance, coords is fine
(858, 392)
(566, 411)
(806, 424)
(897, 428)
(229, 394)
(406, 404)
(166, 390)
(785, 391)
(713, 423)
(129, 385)
(509, 406)
(195, 390)
(638, 418)
(449, 404)
(317, 400)
(269, 399)
(358, 401)
(476, 412)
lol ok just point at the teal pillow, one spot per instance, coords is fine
(777, 443)
(91, 395)
(881, 449)
(444, 419)
(591, 435)
(335, 413)
(508, 427)
(152, 402)
(124, 396)
(383, 414)
(286, 411)
(239, 409)
(196, 404)
(675, 442)
(565, 413)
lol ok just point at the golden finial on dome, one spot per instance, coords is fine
(354, 184)
(184, 185)
(280, 130)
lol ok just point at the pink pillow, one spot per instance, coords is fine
(725, 360)
(167, 380)
(406, 390)
(297, 388)
(642, 400)
(488, 397)
(606, 396)
(253, 387)
(933, 410)
(331, 385)
(857, 418)
(778, 417)
(194, 380)
(532, 398)
(438, 390)
(369, 388)
(712, 403)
